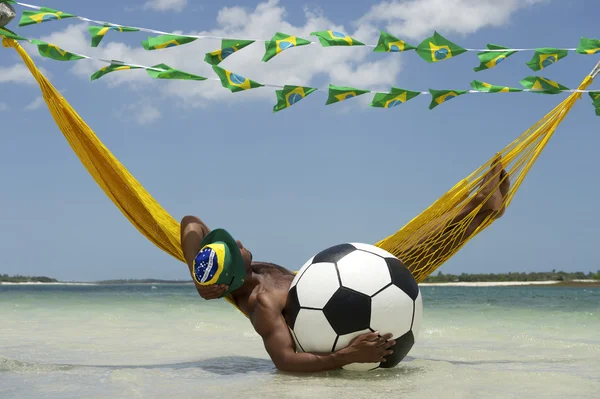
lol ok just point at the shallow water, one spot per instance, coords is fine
(130, 341)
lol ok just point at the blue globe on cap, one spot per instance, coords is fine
(219, 261)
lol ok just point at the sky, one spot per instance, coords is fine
(293, 183)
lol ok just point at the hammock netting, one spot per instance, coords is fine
(425, 242)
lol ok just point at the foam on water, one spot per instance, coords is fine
(135, 341)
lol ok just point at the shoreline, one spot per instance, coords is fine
(570, 283)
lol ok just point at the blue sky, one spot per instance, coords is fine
(293, 183)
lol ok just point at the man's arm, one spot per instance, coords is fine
(271, 326)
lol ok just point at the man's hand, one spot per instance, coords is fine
(211, 291)
(368, 348)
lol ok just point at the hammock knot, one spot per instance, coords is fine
(9, 42)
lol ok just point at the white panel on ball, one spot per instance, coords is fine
(416, 328)
(318, 283)
(391, 312)
(301, 271)
(364, 272)
(373, 249)
(313, 331)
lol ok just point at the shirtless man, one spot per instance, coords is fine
(260, 289)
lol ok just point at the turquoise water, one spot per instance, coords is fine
(136, 341)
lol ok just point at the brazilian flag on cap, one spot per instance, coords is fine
(219, 261)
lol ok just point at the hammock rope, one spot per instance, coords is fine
(425, 242)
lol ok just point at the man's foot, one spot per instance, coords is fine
(492, 191)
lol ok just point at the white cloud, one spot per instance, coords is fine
(146, 114)
(18, 73)
(416, 19)
(35, 104)
(165, 5)
(3, 107)
(310, 65)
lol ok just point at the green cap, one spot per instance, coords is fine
(219, 261)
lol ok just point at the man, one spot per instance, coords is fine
(222, 266)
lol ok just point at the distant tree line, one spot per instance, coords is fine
(502, 277)
(5, 278)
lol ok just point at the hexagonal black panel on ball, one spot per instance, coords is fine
(348, 311)
(292, 308)
(333, 254)
(403, 278)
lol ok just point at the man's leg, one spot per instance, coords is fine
(489, 202)
(193, 231)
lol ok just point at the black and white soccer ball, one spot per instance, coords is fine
(351, 289)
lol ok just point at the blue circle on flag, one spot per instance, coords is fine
(49, 17)
(226, 52)
(294, 98)
(171, 45)
(349, 95)
(237, 79)
(338, 34)
(394, 103)
(449, 97)
(285, 45)
(394, 48)
(441, 54)
(548, 61)
(206, 265)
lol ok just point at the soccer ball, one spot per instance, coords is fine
(351, 289)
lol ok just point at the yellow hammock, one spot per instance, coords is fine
(427, 230)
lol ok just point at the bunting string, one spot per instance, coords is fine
(433, 49)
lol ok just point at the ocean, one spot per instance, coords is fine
(164, 341)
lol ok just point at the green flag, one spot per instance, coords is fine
(488, 88)
(595, 95)
(395, 97)
(538, 84)
(228, 47)
(233, 81)
(341, 93)
(53, 51)
(329, 38)
(44, 14)
(391, 44)
(280, 42)
(166, 41)
(437, 48)
(490, 59)
(544, 57)
(588, 46)
(441, 96)
(290, 95)
(170, 73)
(111, 68)
(10, 34)
(98, 32)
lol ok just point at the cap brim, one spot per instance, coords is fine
(237, 260)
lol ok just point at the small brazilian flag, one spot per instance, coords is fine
(437, 48)
(395, 97)
(341, 93)
(290, 95)
(166, 41)
(228, 47)
(544, 57)
(233, 81)
(111, 68)
(488, 88)
(44, 14)
(588, 46)
(595, 95)
(329, 38)
(441, 96)
(280, 42)
(490, 59)
(98, 32)
(54, 52)
(391, 44)
(170, 73)
(10, 34)
(538, 84)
